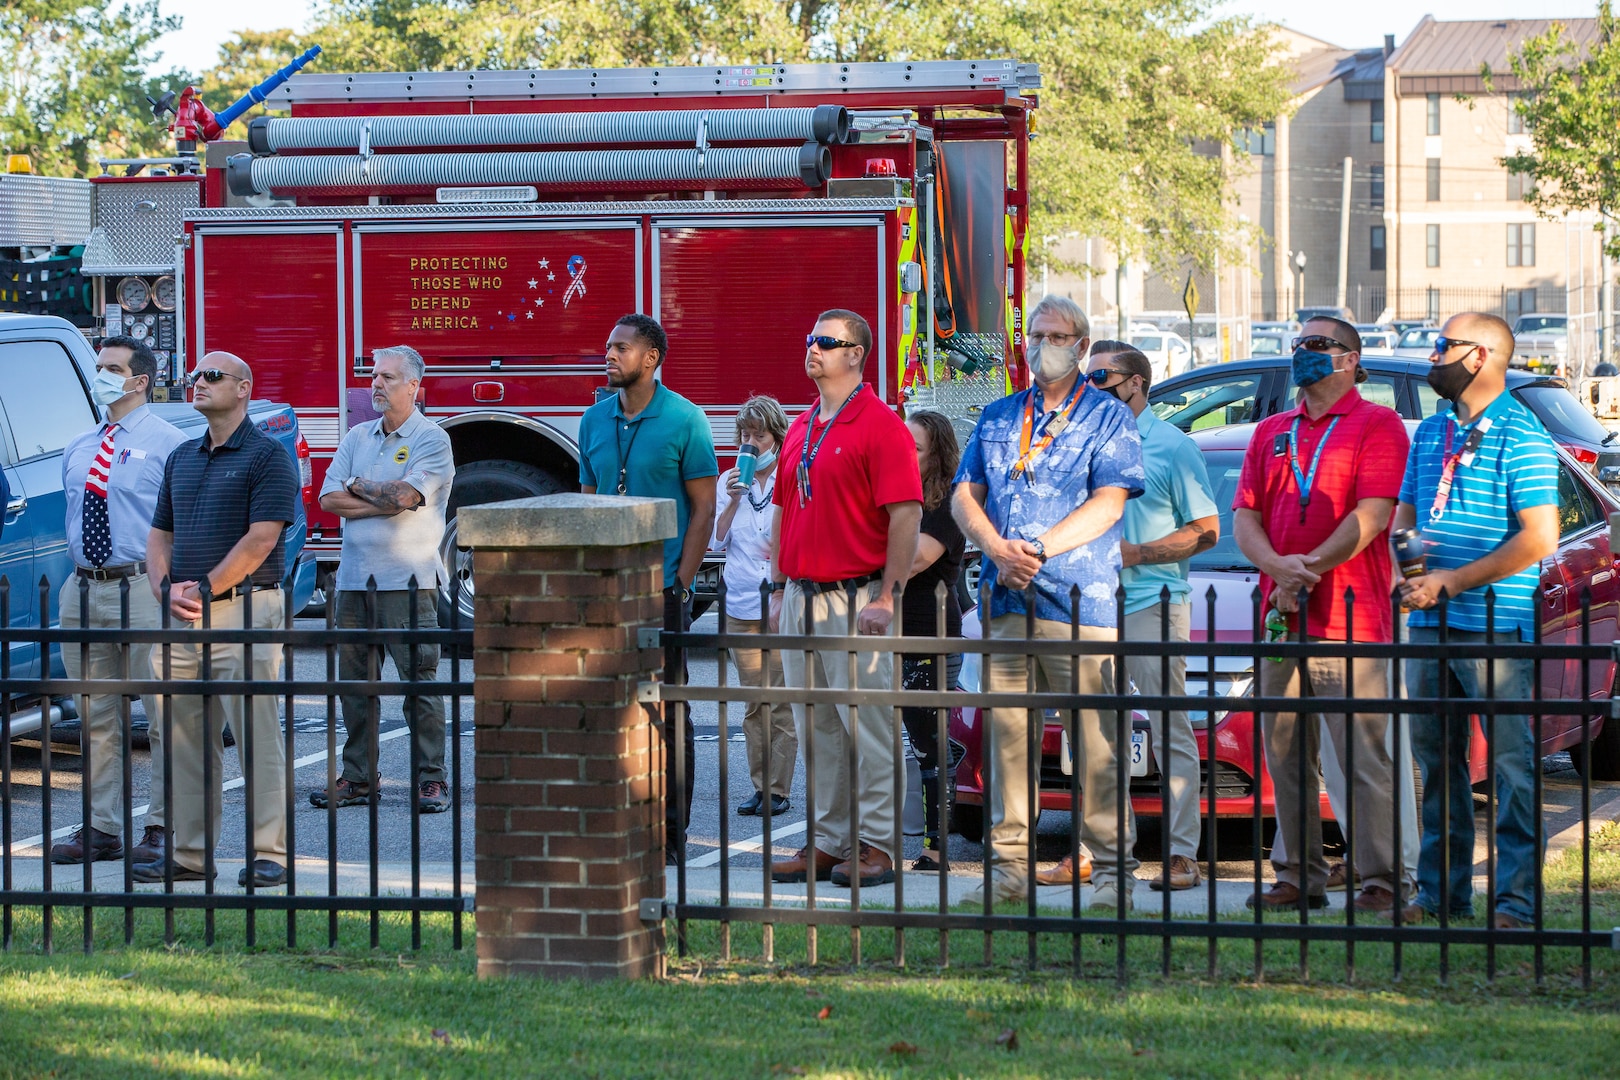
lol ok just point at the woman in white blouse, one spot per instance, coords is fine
(742, 529)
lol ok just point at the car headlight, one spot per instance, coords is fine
(1228, 684)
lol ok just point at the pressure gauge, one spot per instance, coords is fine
(134, 294)
(163, 292)
(139, 331)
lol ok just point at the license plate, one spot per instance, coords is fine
(1139, 753)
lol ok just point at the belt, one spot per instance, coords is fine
(837, 586)
(242, 590)
(111, 573)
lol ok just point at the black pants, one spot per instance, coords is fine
(922, 725)
(679, 790)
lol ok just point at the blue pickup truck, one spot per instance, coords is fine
(45, 371)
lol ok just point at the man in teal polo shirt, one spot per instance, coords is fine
(1173, 519)
(649, 441)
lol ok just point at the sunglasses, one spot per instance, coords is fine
(822, 341)
(1320, 343)
(210, 375)
(1443, 345)
(1100, 376)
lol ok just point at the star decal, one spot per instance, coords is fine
(551, 277)
(533, 284)
(512, 317)
(544, 263)
(540, 302)
(528, 314)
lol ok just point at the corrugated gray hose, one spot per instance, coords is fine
(343, 174)
(821, 124)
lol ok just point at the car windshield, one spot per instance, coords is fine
(1148, 344)
(1267, 345)
(1560, 412)
(1553, 325)
(1420, 337)
(1225, 466)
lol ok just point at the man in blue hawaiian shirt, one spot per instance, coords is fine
(1041, 491)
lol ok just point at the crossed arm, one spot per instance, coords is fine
(372, 498)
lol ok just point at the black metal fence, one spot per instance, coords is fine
(1579, 651)
(38, 685)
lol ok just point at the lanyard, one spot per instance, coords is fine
(1464, 456)
(1051, 427)
(1307, 480)
(625, 451)
(807, 453)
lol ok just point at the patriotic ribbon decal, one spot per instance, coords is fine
(576, 279)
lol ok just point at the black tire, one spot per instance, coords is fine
(967, 581)
(480, 482)
(1605, 751)
(967, 821)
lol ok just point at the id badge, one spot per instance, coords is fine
(1279, 445)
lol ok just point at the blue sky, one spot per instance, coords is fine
(1359, 24)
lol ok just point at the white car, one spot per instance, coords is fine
(1168, 353)
(1379, 342)
(1417, 343)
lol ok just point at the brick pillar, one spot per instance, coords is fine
(569, 768)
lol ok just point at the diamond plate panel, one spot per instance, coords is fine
(136, 225)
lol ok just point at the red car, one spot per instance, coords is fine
(1583, 561)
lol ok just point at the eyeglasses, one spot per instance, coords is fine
(1320, 343)
(1060, 340)
(1100, 376)
(822, 341)
(211, 375)
(1444, 345)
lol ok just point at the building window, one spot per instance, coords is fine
(1377, 121)
(1519, 186)
(1434, 179)
(1515, 119)
(1521, 249)
(1378, 247)
(1260, 142)
(1377, 198)
(1431, 307)
(1520, 302)
(1432, 245)
(1432, 112)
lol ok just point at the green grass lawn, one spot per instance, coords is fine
(151, 1011)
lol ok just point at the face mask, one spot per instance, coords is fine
(1053, 363)
(1311, 367)
(764, 461)
(1450, 380)
(107, 388)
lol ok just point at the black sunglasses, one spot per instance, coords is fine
(822, 341)
(1100, 376)
(1444, 345)
(1320, 343)
(212, 375)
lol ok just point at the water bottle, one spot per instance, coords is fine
(1276, 630)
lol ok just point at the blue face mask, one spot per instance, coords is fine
(1311, 367)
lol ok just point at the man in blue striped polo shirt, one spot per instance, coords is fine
(1482, 486)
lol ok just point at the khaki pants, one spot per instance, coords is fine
(185, 729)
(767, 728)
(1292, 735)
(99, 713)
(1182, 771)
(1096, 755)
(871, 726)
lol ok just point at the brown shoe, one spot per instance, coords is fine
(1503, 921)
(1411, 914)
(1183, 875)
(795, 869)
(1063, 872)
(1282, 895)
(1374, 898)
(103, 846)
(1339, 877)
(876, 868)
(151, 846)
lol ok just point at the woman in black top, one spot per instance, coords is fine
(939, 560)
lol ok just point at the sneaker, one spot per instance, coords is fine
(1105, 900)
(1004, 888)
(348, 793)
(432, 797)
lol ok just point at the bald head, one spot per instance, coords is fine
(1486, 330)
(228, 362)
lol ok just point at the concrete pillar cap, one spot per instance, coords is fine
(568, 520)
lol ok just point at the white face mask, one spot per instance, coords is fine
(107, 387)
(1052, 363)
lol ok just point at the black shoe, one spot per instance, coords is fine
(671, 857)
(152, 872)
(266, 875)
(751, 807)
(780, 805)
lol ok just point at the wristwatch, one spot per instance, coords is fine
(778, 586)
(1040, 550)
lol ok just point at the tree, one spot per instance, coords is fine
(245, 61)
(74, 81)
(1570, 105)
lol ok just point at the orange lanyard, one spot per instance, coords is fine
(1051, 429)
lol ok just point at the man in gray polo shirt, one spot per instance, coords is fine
(390, 481)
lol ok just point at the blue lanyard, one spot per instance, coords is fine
(1303, 480)
(808, 453)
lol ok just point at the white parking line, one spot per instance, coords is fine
(713, 857)
(231, 785)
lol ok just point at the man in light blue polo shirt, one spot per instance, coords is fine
(1482, 485)
(648, 441)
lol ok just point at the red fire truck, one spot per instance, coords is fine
(500, 222)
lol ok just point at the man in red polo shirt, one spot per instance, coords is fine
(848, 503)
(1312, 513)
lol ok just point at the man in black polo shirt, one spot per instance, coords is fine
(225, 499)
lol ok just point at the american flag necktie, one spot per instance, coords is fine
(97, 531)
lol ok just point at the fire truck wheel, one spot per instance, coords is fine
(476, 483)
